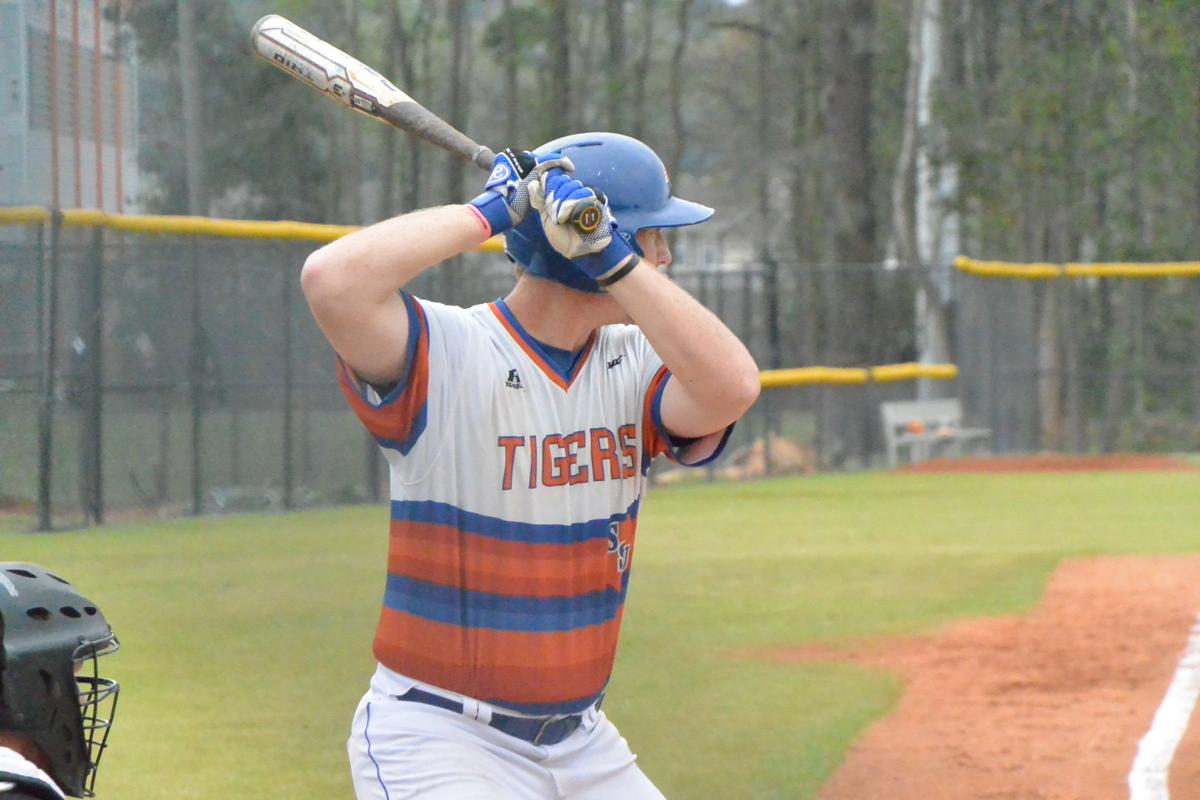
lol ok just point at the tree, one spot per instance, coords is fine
(614, 64)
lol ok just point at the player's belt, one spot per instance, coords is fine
(535, 730)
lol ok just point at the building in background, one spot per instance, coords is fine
(68, 106)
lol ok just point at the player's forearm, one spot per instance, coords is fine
(368, 266)
(706, 359)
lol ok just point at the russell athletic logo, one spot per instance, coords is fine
(513, 381)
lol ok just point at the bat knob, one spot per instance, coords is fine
(587, 218)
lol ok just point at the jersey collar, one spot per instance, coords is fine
(533, 348)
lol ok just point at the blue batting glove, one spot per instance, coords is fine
(504, 201)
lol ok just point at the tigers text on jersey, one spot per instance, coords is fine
(515, 491)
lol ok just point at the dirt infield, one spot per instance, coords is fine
(1048, 706)
(1054, 462)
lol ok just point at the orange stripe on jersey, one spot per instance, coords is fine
(399, 419)
(532, 672)
(443, 555)
(654, 441)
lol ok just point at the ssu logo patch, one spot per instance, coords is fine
(615, 545)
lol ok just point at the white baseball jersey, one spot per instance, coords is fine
(514, 500)
(20, 777)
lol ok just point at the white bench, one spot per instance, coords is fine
(928, 427)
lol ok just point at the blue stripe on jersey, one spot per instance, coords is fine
(680, 453)
(563, 362)
(418, 427)
(430, 511)
(468, 609)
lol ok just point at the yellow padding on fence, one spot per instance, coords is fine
(803, 376)
(912, 371)
(198, 226)
(845, 376)
(1006, 269)
(24, 215)
(1166, 269)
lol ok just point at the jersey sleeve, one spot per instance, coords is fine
(656, 439)
(398, 416)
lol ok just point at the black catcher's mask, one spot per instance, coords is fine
(50, 689)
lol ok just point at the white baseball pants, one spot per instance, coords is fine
(401, 749)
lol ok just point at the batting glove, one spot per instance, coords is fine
(603, 254)
(505, 198)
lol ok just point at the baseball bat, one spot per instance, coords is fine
(352, 83)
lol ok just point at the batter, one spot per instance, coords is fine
(519, 435)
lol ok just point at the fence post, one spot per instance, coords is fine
(774, 355)
(868, 417)
(288, 370)
(48, 330)
(196, 377)
(1196, 350)
(94, 400)
(1076, 424)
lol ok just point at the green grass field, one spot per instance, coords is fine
(246, 640)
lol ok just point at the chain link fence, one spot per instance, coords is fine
(1082, 364)
(171, 374)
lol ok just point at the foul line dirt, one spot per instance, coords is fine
(1045, 706)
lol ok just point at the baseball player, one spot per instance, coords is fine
(55, 709)
(519, 434)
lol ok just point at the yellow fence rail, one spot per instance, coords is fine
(194, 226)
(848, 376)
(1043, 271)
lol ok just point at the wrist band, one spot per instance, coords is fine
(609, 280)
(481, 219)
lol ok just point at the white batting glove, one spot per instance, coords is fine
(603, 253)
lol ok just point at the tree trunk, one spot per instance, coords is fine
(1124, 358)
(930, 311)
(904, 229)
(642, 70)
(1195, 20)
(1075, 177)
(512, 92)
(805, 181)
(849, 123)
(853, 188)
(852, 197)
(419, 31)
(391, 62)
(560, 117)
(456, 111)
(677, 80)
(614, 63)
(934, 226)
(193, 114)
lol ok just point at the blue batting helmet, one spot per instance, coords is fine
(637, 186)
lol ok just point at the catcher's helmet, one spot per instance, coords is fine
(635, 182)
(50, 690)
